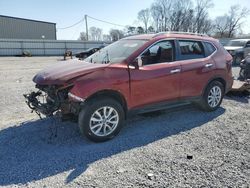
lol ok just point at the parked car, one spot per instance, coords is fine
(245, 69)
(87, 53)
(237, 48)
(137, 74)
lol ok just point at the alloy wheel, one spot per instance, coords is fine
(214, 96)
(104, 121)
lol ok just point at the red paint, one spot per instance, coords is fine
(147, 84)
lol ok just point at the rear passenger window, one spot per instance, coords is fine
(191, 49)
(210, 48)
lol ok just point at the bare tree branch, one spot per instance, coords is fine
(144, 17)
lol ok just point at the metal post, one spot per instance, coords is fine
(43, 37)
(44, 48)
(22, 49)
(87, 30)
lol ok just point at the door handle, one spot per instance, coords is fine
(175, 71)
(208, 65)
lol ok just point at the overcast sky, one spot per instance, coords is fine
(66, 13)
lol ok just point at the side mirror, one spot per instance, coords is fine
(137, 63)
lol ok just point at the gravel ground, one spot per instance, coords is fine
(178, 148)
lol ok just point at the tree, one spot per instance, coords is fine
(166, 6)
(180, 15)
(116, 34)
(235, 17)
(189, 26)
(83, 36)
(131, 30)
(107, 38)
(201, 17)
(144, 16)
(156, 14)
(95, 33)
(207, 27)
(229, 24)
(151, 29)
(140, 30)
(221, 26)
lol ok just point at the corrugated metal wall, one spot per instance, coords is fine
(18, 28)
(14, 47)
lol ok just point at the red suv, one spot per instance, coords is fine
(136, 74)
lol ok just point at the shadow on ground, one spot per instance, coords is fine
(32, 151)
(242, 97)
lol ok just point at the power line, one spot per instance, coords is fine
(82, 20)
(106, 22)
(76, 30)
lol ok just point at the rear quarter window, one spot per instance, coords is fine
(210, 49)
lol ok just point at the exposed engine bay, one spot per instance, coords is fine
(49, 100)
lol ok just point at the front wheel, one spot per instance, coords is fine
(212, 96)
(101, 120)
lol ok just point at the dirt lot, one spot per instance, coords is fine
(35, 153)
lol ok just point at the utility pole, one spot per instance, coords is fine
(87, 30)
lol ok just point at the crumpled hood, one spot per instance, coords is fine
(233, 47)
(61, 72)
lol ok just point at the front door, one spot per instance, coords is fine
(158, 79)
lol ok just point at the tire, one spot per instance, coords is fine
(212, 97)
(95, 125)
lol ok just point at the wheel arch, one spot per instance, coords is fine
(219, 79)
(116, 95)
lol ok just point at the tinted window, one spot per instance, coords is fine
(210, 48)
(159, 53)
(191, 49)
(248, 44)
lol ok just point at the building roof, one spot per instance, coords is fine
(26, 19)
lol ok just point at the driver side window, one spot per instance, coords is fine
(159, 53)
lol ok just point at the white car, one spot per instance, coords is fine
(238, 48)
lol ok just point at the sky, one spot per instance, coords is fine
(66, 13)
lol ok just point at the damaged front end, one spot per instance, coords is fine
(50, 99)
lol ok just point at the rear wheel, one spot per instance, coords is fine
(212, 96)
(101, 120)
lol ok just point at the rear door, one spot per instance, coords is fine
(158, 79)
(197, 67)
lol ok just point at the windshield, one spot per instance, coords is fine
(116, 52)
(236, 43)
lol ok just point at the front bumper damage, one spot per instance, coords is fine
(49, 100)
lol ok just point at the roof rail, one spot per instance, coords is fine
(180, 32)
